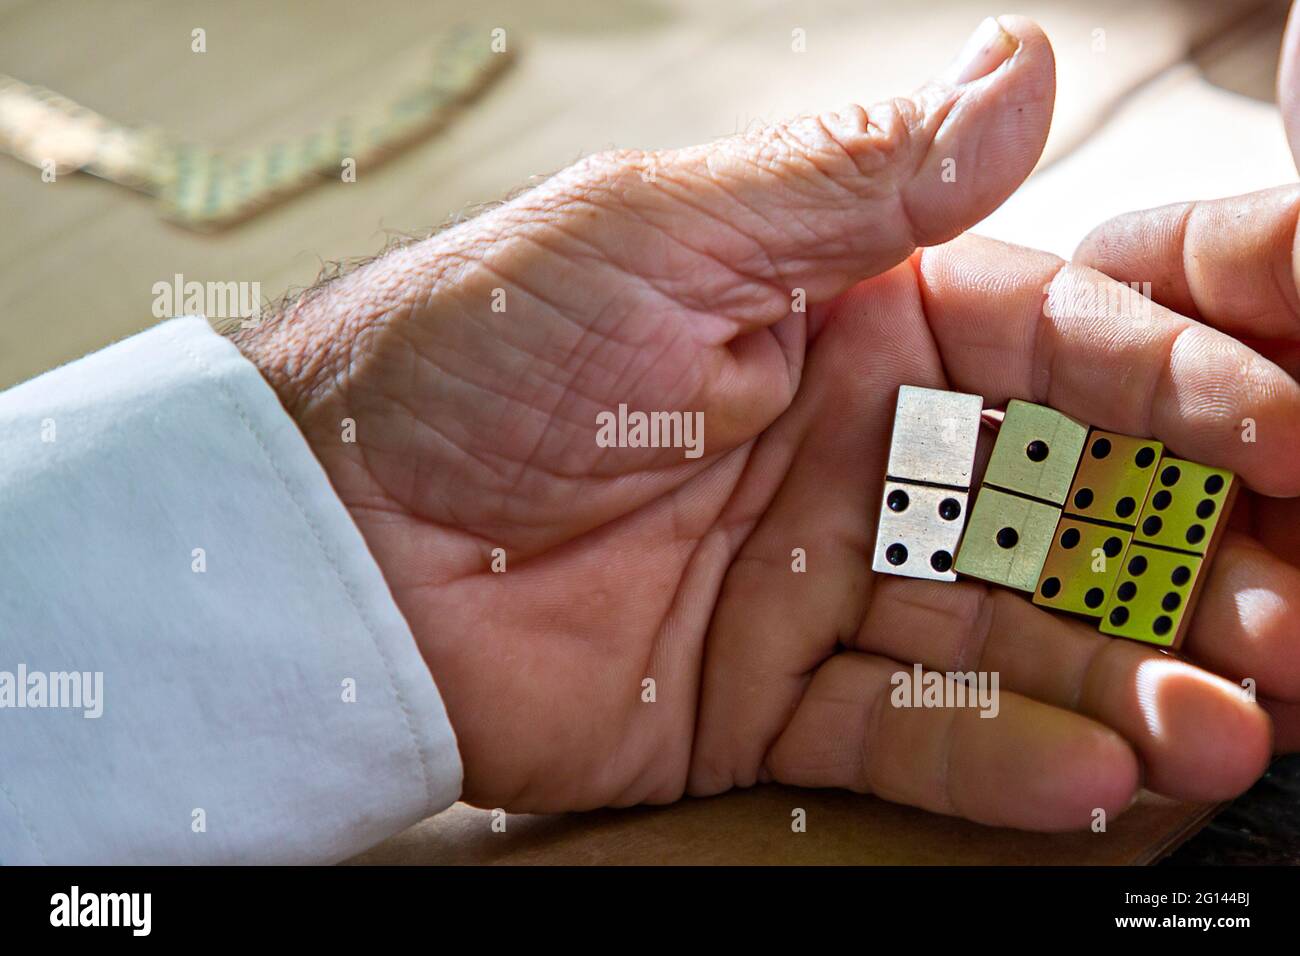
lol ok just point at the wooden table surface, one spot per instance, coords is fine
(755, 827)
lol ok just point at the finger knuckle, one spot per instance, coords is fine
(869, 141)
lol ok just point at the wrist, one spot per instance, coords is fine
(310, 346)
(300, 346)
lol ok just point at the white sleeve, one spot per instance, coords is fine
(200, 661)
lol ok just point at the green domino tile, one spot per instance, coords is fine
(1152, 596)
(1114, 476)
(1007, 539)
(1082, 566)
(1036, 452)
(1186, 505)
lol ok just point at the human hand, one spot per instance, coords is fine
(665, 281)
(1233, 264)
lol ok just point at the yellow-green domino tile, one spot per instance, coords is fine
(1007, 539)
(1150, 595)
(1081, 567)
(1036, 452)
(1184, 506)
(1114, 476)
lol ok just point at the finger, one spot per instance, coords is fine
(775, 623)
(820, 202)
(1014, 323)
(1228, 262)
(640, 262)
(1031, 766)
(1245, 623)
(1197, 736)
(1275, 523)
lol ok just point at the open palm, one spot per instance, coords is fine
(610, 626)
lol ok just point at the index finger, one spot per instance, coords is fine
(1228, 262)
(1015, 323)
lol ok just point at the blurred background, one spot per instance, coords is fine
(1157, 101)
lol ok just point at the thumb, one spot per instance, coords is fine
(820, 202)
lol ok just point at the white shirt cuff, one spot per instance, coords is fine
(167, 534)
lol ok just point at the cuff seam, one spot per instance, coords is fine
(209, 372)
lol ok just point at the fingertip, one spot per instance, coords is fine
(1122, 246)
(973, 291)
(1099, 775)
(1091, 250)
(1236, 410)
(972, 256)
(1051, 770)
(1244, 626)
(989, 141)
(1033, 44)
(1233, 737)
